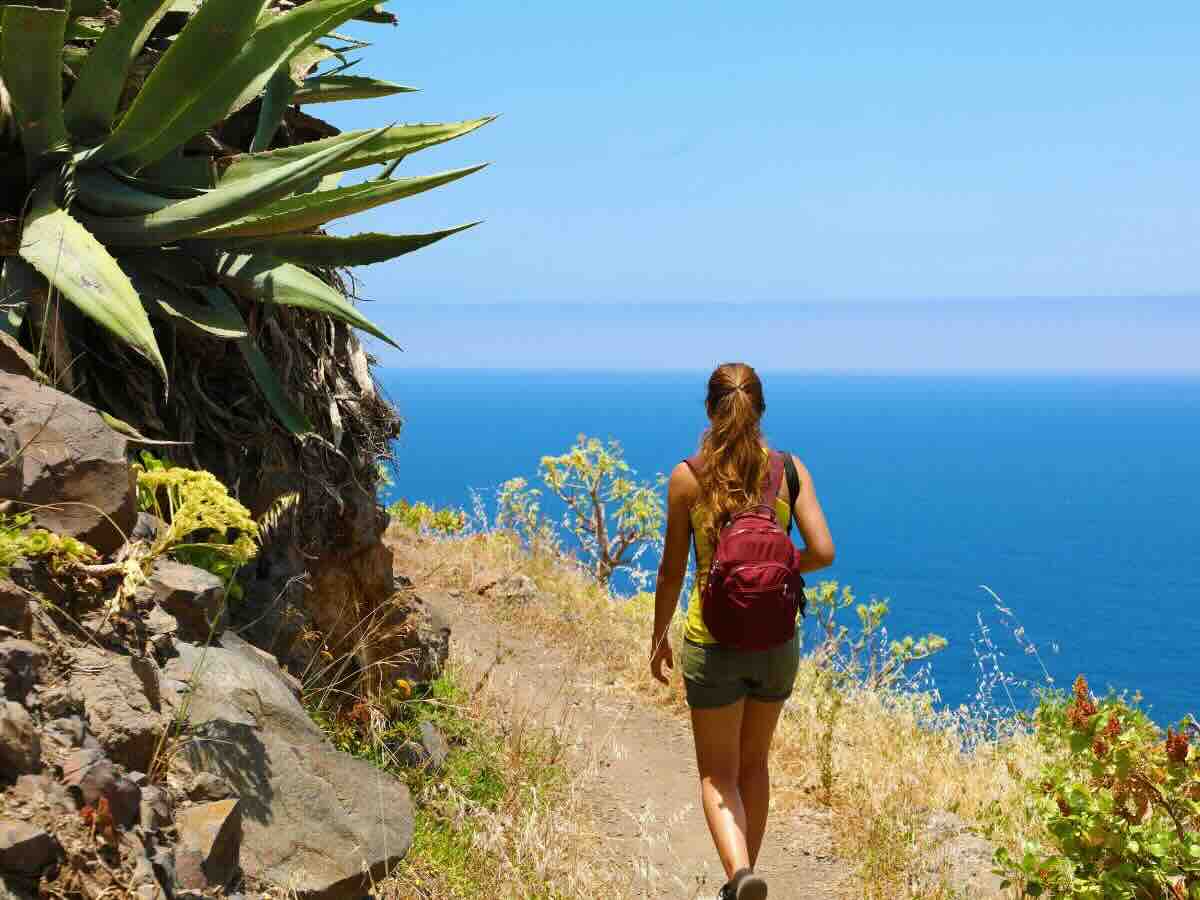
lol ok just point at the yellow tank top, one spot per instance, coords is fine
(694, 628)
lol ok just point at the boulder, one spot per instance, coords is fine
(193, 597)
(20, 745)
(15, 614)
(67, 458)
(21, 666)
(94, 776)
(25, 849)
(313, 819)
(212, 833)
(435, 745)
(43, 791)
(121, 700)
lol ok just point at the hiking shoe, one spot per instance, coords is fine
(744, 885)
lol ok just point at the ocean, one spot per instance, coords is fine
(1075, 499)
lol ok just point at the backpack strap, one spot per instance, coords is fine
(793, 483)
(693, 463)
(774, 480)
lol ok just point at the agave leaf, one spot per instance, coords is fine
(399, 140)
(377, 15)
(182, 172)
(17, 283)
(122, 427)
(269, 280)
(173, 302)
(31, 69)
(93, 101)
(201, 80)
(280, 91)
(328, 251)
(304, 211)
(285, 409)
(103, 193)
(223, 204)
(332, 88)
(85, 29)
(79, 266)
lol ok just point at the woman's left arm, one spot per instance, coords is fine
(672, 569)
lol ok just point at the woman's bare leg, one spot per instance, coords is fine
(718, 747)
(754, 777)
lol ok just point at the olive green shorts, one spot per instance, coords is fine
(717, 676)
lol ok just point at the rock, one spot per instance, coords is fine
(15, 614)
(25, 849)
(206, 786)
(67, 458)
(125, 801)
(188, 868)
(121, 700)
(412, 755)
(21, 666)
(161, 628)
(310, 815)
(410, 641)
(435, 745)
(94, 776)
(155, 812)
(194, 597)
(213, 831)
(147, 527)
(68, 732)
(43, 791)
(20, 746)
(16, 359)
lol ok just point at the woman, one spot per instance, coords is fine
(735, 696)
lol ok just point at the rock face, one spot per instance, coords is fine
(193, 597)
(315, 819)
(213, 832)
(121, 700)
(68, 458)
(20, 745)
(411, 641)
(14, 609)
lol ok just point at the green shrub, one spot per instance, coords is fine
(423, 517)
(1120, 802)
(19, 541)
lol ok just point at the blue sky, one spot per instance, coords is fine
(890, 186)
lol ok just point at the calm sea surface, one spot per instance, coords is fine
(1076, 499)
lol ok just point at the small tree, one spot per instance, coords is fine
(614, 517)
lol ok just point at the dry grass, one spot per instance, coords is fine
(871, 756)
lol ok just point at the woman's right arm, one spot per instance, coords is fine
(810, 521)
(680, 491)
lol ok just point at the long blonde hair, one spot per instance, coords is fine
(731, 449)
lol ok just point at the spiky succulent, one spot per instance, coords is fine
(162, 180)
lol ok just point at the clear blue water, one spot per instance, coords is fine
(1076, 499)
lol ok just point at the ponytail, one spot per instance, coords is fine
(734, 462)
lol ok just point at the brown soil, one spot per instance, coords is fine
(646, 795)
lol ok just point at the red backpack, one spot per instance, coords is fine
(754, 589)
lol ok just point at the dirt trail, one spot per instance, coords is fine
(646, 800)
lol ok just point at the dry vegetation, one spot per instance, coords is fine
(877, 758)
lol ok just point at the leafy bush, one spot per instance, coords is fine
(615, 518)
(423, 517)
(206, 527)
(1120, 802)
(19, 541)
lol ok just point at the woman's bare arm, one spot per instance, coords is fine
(681, 493)
(810, 521)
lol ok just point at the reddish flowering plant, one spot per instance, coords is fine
(1119, 806)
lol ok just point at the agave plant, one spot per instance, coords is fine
(165, 192)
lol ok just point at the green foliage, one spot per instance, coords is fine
(614, 517)
(205, 526)
(101, 171)
(423, 517)
(862, 656)
(1120, 802)
(19, 541)
(519, 510)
